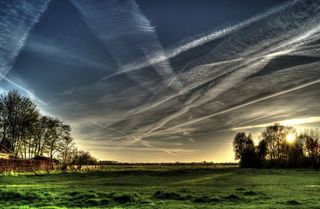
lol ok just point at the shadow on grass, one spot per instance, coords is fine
(92, 199)
(293, 202)
(70, 199)
(162, 195)
(20, 196)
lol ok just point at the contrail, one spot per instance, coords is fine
(286, 71)
(73, 52)
(204, 79)
(176, 50)
(280, 45)
(220, 88)
(17, 17)
(26, 91)
(228, 76)
(120, 25)
(248, 68)
(249, 103)
(177, 127)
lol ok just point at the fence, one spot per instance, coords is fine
(19, 165)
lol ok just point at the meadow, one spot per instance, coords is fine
(135, 186)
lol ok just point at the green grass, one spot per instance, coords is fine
(163, 187)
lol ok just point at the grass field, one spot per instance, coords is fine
(163, 187)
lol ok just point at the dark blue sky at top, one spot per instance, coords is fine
(168, 80)
(174, 20)
(178, 19)
(63, 24)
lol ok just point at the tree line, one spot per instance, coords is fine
(26, 133)
(279, 147)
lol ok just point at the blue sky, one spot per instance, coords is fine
(164, 80)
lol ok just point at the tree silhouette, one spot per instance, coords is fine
(312, 142)
(295, 154)
(17, 117)
(280, 146)
(275, 139)
(262, 149)
(244, 149)
(83, 158)
(27, 134)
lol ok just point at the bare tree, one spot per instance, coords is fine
(311, 138)
(67, 150)
(275, 139)
(28, 134)
(17, 117)
(83, 158)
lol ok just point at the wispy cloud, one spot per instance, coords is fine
(214, 86)
(11, 84)
(127, 33)
(198, 41)
(289, 39)
(16, 21)
(290, 122)
(243, 105)
(66, 50)
(155, 106)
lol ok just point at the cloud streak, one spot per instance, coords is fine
(126, 32)
(281, 38)
(16, 21)
(175, 100)
(197, 41)
(64, 50)
(290, 122)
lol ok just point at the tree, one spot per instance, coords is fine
(239, 144)
(83, 158)
(311, 138)
(28, 134)
(275, 138)
(67, 150)
(295, 153)
(58, 132)
(280, 146)
(244, 149)
(41, 135)
(18, 114)
(262, 149)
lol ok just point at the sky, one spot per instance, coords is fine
(164, 81)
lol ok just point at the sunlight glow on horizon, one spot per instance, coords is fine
(290, 138)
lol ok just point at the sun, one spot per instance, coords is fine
(291, 138)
